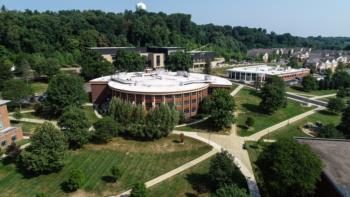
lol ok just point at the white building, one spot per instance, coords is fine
(251, 74)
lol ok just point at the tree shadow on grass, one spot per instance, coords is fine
(298, 88)
(199, 182)
(253, 108)
(108, 179)
(64, 187)
(327, 113)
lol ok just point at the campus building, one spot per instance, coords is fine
(8, 134)
(251, 74)
(156, 56)
(334, 154)
(181, 89)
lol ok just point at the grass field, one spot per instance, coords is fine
(139, 161)
(89, 111)
(39, 87)
(187, 183)
(299, 90)
(294, 130)
(247, 103)
(205, 126)
(27, 128)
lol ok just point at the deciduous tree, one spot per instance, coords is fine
(273, 95)
(288, 167)
(46, 152)
(220, 105)
(179, 61)
(63, 91)
(75, 126)
(309, 83)
(223, 171)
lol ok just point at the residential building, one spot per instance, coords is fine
(8, 134)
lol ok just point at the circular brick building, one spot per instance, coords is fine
(182, 90)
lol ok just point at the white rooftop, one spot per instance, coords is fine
(161, 81)
(264, 69)
(3, 102)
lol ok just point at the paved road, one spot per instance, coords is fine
(306, 100)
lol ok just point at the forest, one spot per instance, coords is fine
(65, 35)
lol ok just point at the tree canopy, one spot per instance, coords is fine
(223, 171)
(344, 125)
(309, 83)
(179, 61)
(288, 167)
(273, 95)
(130, 61)
(336, 105)
(64, 91)
(75, 126)
(16, 90)
(46, 152)
(220, 106)
(135, 122)
(230, 191)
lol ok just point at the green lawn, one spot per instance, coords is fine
(299, 90)
(294, 130)
(39, 87)
(185, 184)
(205, 126)
(89, 111)
(247, 103)
(220, 71)
(90, 114)
(27, 128)
(139, 161)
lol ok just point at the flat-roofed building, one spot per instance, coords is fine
(182, 90)
(336, 159)
(8, 134)
(250, 74)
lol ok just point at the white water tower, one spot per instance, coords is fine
(141, 6)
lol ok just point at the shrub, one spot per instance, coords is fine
(138, 190)
(230, 191)
(105, 129)
(116, 173)
(250, 122)
(75, 181)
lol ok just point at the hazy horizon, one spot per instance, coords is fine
(309, 18)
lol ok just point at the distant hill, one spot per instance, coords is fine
(64, 34)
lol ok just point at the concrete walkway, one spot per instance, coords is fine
(235, 91)
(260, 134)
(324, 96)
(30, 120)
(192, 123)
(176, 171)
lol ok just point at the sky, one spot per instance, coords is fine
(298, 17)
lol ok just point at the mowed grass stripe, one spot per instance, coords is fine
(96, 161)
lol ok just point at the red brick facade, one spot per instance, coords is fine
(8, 134)
(186, 102)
